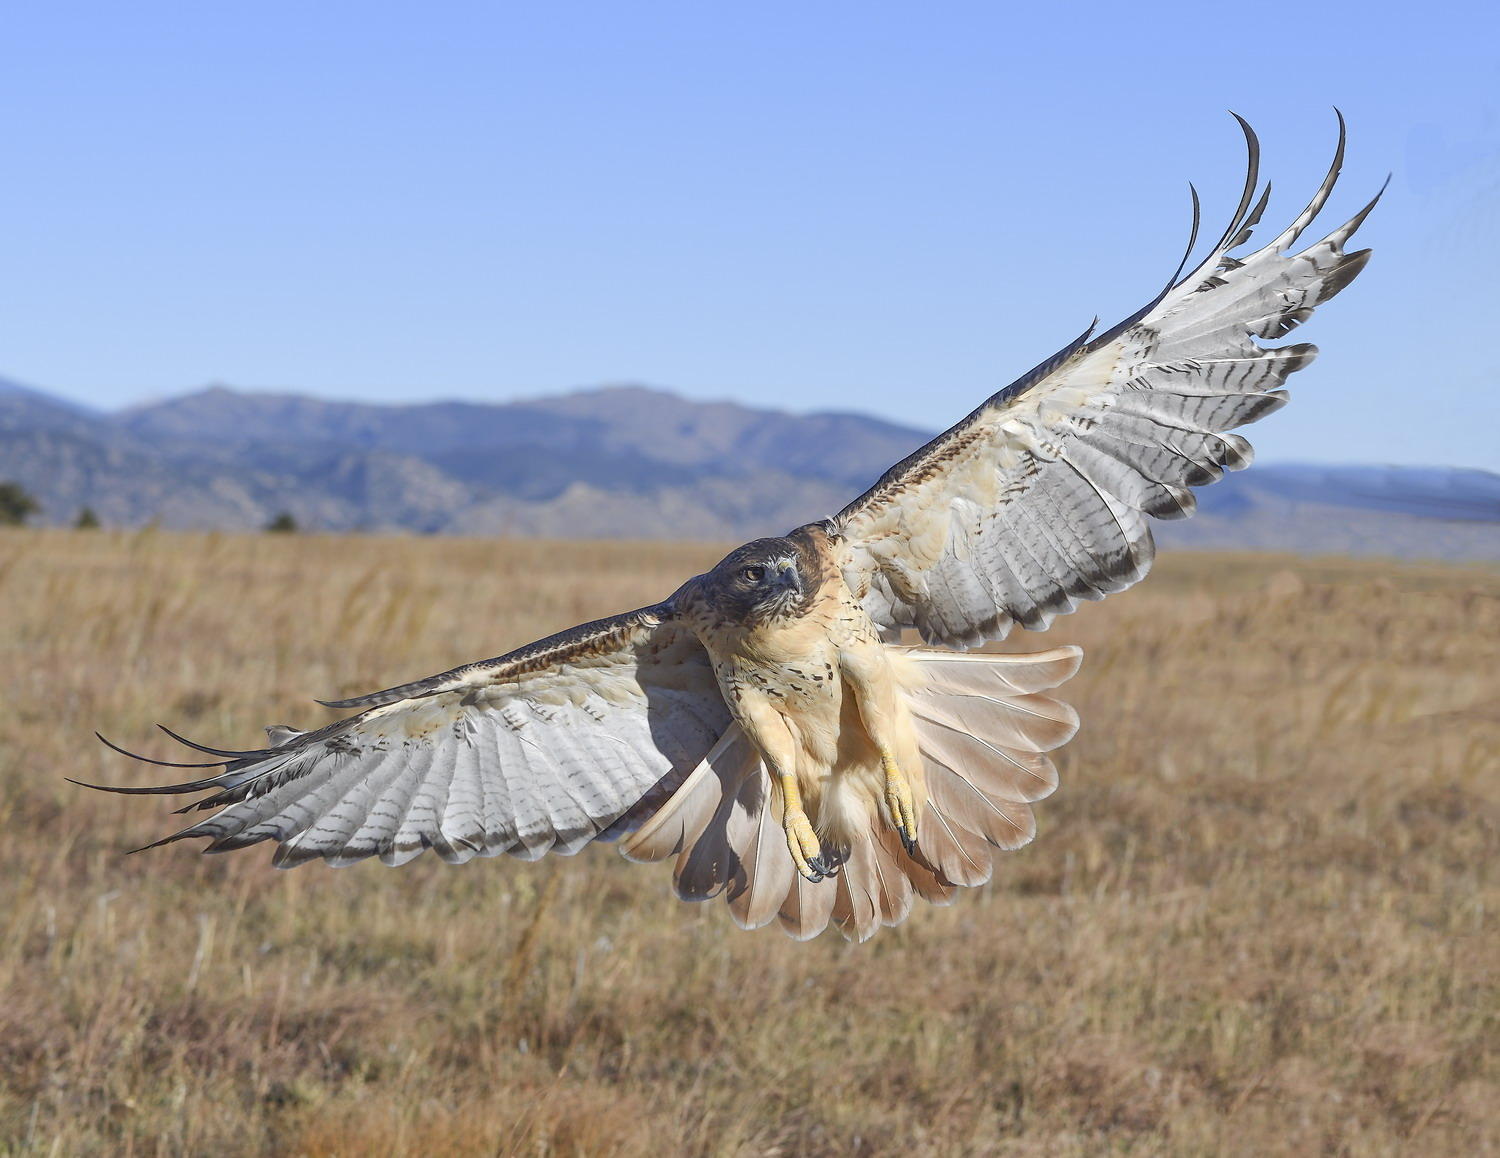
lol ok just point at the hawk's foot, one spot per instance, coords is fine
(806, 852)
(900, 801)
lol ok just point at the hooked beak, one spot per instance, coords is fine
(788, 578)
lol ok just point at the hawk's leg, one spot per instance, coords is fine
(900, 800)
(801, 840)
(768, 729)
(867, 671)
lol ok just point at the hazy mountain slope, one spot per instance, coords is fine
(617, 462)
(1406, 512)
(1433, 492)
(639, 432)
(25, 410)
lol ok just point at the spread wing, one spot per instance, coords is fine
(578, 736)
(1039, 498)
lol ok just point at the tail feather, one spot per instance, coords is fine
(960, 855)
(982, 750)
(808, 906)
(856, 906)
(1026, 723)
(979, 672)
(965, 802)
(754, 829)
(679, 822)
(709, 861)
(1004, 771)
(705, 867)
(880, 882)
(925, 880)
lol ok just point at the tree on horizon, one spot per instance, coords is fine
(17, 504)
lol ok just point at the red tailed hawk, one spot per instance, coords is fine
(761, 727)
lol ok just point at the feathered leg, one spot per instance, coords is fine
(769, 729)
(867, 673)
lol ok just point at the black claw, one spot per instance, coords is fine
(908, 841)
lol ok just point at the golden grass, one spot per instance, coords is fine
(1259, 917)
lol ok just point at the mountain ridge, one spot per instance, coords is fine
(616, 461)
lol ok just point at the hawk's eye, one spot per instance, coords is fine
(754, 574)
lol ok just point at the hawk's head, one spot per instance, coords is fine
(763, 580)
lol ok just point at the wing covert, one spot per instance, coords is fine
(1039, 498)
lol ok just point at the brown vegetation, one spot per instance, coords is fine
(1259, 917)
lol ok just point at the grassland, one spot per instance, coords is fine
(1259, 917)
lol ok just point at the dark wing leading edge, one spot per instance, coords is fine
(578, 736)
(1039, 498)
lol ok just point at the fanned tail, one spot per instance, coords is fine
(983, 727)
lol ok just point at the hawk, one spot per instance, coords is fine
(763, 726)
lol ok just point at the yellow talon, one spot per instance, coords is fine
(899, 799)
(801, 840)
(807, 853)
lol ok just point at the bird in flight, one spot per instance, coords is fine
(763, 726)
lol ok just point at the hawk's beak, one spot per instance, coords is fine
(788, 577)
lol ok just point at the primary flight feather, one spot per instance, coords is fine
(761, 726)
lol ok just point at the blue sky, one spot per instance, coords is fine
(893, 208)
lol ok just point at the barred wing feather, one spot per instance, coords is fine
(577, 737)
(1038, 499)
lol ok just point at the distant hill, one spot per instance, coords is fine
(1398, 511)
(624, 461)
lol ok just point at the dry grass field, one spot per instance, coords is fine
(1260, 917)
